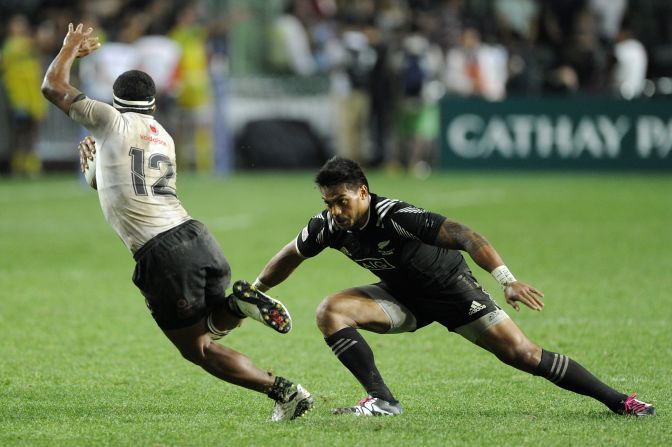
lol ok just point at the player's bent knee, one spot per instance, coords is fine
(330, 312)
(323, 314)
(326, 309)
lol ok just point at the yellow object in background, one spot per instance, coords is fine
(22, 76)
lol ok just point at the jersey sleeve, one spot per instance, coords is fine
(411, 222)
(312, 239)
(96, 116)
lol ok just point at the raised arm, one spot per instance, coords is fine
(279, 267)
(455, 236)
(56, 84)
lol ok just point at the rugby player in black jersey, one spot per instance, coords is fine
(417, 256)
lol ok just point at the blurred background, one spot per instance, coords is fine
(402, 85)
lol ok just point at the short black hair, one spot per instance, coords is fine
(134, 85)
(341, 171)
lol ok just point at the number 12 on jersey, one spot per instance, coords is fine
(160, 187)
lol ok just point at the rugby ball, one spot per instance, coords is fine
(90, 172)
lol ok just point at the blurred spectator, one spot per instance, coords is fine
(561, 80)
(105, 11)
(324, 37)
(517, 19)
(584, 53)
(631, 61)
(160, 13)
(197, 82)
(527, 68)
(355, 101)
(99, 70)
(556, 22)
(291, 48)
(193, 127)
(159, 56)
(22, 76)
(354, 61)
(390, 19)
(390, 22)
(48, 38)
(518, 27)
(609, 15)
(475, 68)
(417, 125)
(448, 32)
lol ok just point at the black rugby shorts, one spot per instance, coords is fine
(459, 302)
(182, 274)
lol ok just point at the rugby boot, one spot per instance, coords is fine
(635, 407)
(261, 307)
(298, 403)
(372, 406)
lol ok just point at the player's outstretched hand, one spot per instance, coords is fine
(523, 293)
(87, 147)
(87, 47)
(81, 40)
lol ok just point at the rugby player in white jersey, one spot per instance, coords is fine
(180, 268)
(423, 278)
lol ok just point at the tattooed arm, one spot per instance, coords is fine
(454, 235)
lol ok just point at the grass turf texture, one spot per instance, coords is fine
(83, 364)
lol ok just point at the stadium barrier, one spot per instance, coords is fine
(518, 133)
(556, 133)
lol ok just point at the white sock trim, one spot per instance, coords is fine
(215, 333)
(260, 286)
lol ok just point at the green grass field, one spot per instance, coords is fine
(83, 364)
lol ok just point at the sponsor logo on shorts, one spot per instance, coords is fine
(184, 308)
(476, 307)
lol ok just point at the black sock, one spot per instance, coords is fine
(354, 352)
(568, 374)
(280, 389)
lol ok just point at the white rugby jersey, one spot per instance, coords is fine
(135, 171)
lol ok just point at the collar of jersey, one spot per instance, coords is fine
(368, 214)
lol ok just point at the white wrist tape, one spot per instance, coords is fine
(503, 276)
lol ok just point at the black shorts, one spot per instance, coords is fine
(460, 302)
(183, 274)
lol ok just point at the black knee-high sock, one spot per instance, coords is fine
(568, 374)
(354, 352)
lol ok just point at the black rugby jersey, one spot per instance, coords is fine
(396, 244)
